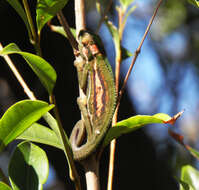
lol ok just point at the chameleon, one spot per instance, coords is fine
(98, 96)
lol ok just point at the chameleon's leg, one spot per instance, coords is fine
(82, 72)
(82, 106)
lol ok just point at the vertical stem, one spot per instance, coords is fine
(118, 61)
(80, 20)
(91, 165)
(91, 168)
(112, 157)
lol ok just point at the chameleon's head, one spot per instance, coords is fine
(86, 38)
(91, 42)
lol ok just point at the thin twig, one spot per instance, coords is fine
(35, 38)
(118, 61)
(30, 21)
(137, 52)
(112, 155)
(66, 27)
(27, 91)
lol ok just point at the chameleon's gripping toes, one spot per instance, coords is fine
(97, 104)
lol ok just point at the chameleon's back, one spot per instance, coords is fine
(102, 97)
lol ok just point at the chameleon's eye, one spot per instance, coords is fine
(86, 38)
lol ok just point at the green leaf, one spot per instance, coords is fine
(42, 68)
(60, 30)
(19, 9)
(41, 134)
(126, 3)
(194, 2)
(19, 117)
(190, 176)
(116, 39)
(46, 10)
(28, 167)
(132, 124)
(4, 186)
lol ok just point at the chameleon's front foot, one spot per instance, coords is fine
(82, 103)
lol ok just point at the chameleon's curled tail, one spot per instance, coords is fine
(81, 146)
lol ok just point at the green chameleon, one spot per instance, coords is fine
(97, 103)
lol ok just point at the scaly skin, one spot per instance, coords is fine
(98, 104)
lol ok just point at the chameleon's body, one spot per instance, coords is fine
(98, 102)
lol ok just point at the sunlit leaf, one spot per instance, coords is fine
(4, 186)
(19, 9)
(19, 117)
(116, 39)
(194, 2)
(41, 134)
(190, 176)
(46, 10)
(134, 123)
(42, 68)
(60, 30)
(28, 167)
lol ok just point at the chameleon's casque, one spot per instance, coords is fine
(97, 104)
